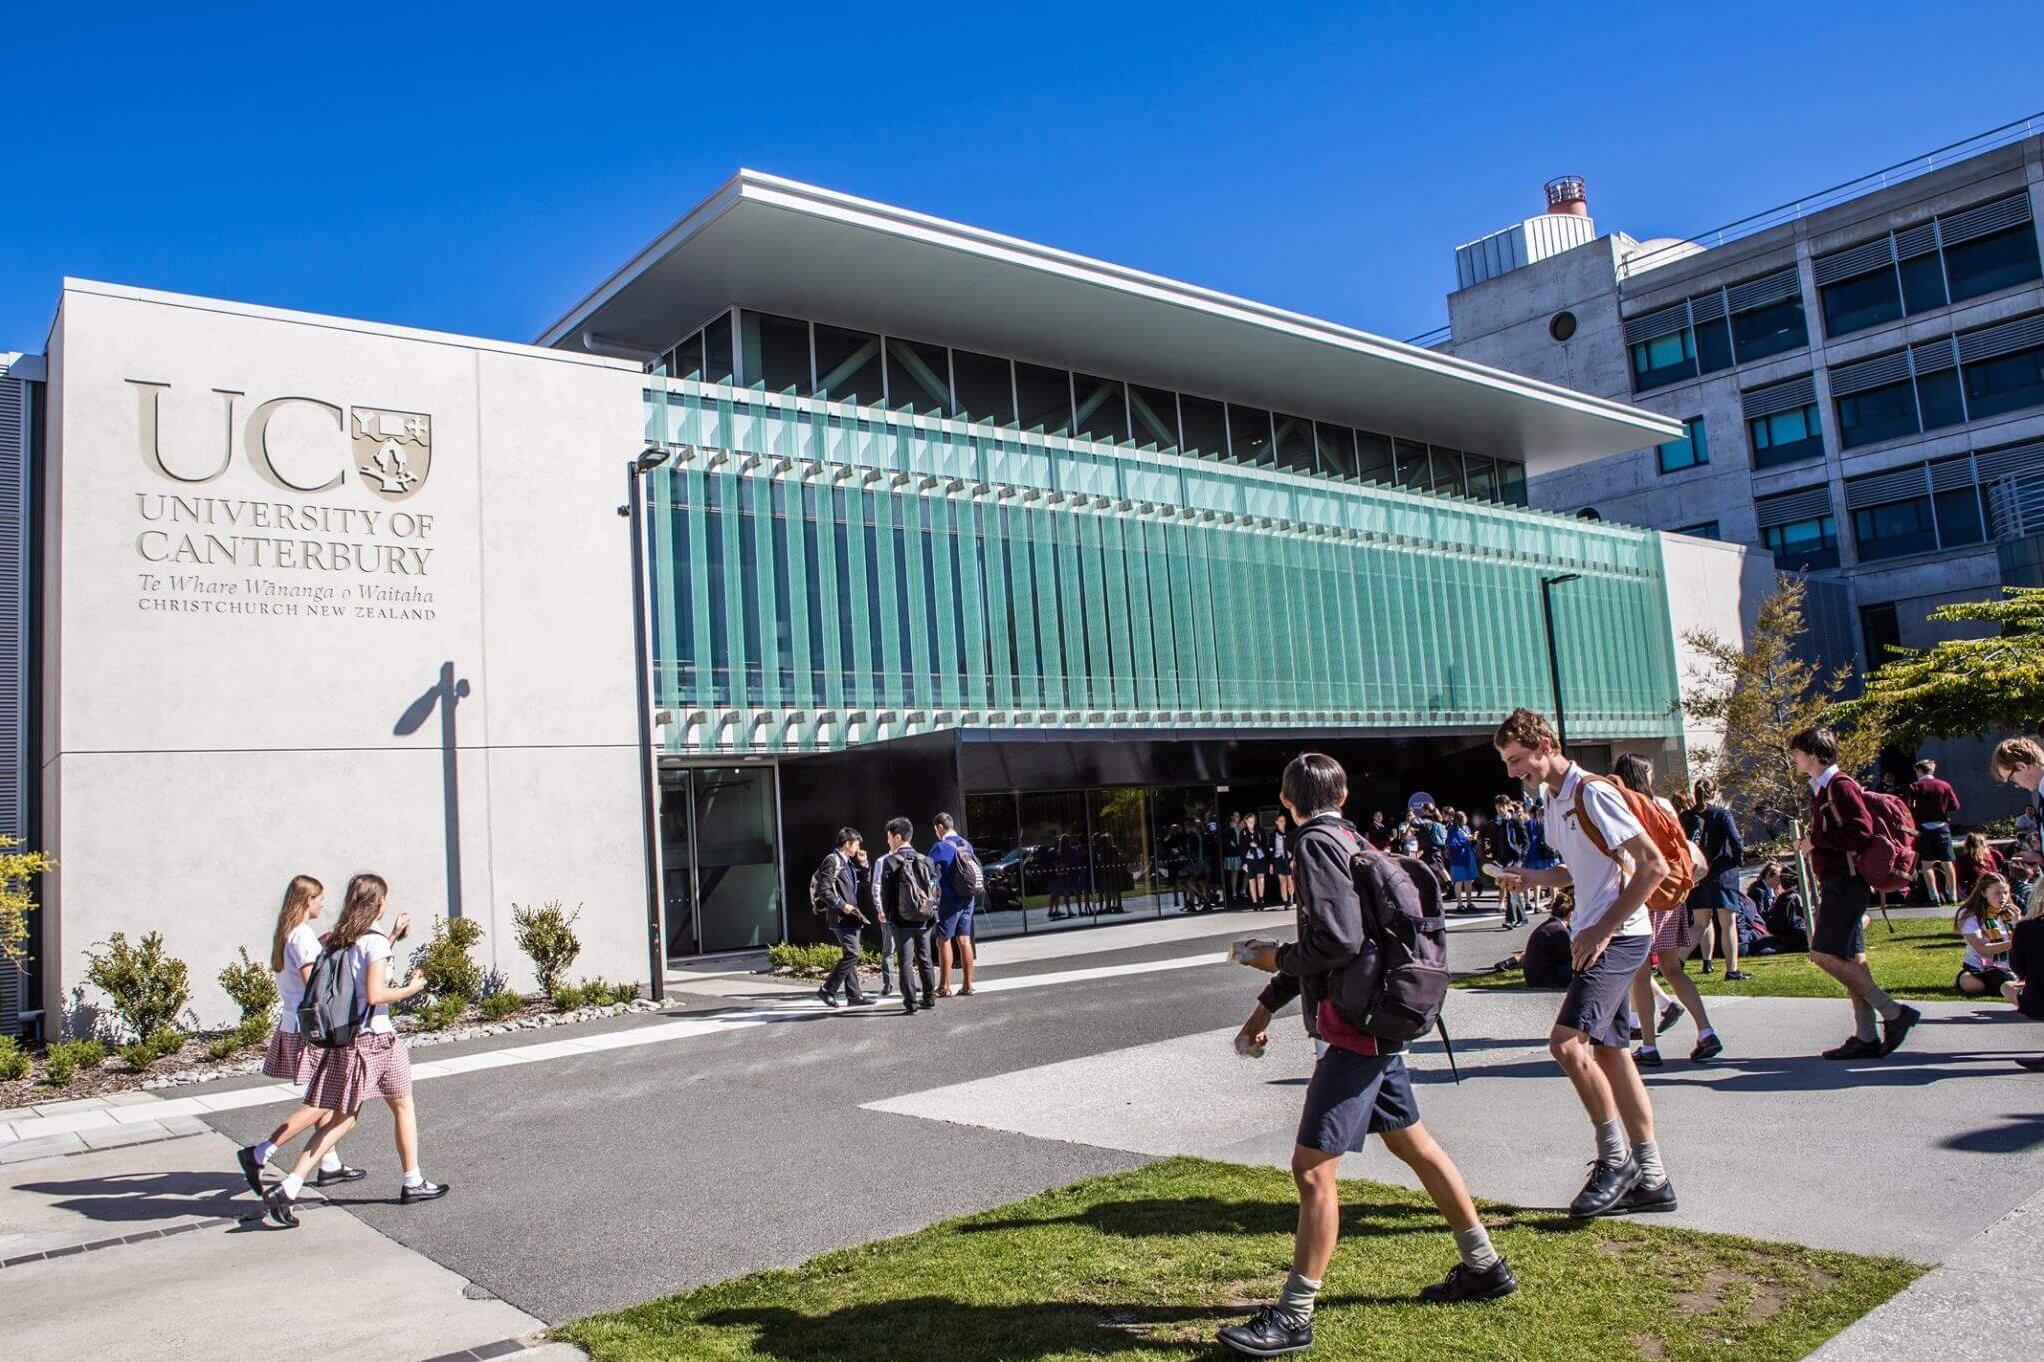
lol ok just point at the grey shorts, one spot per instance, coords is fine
(1599, 999)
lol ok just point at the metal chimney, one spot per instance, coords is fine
(1565, 195)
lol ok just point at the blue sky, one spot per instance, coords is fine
(478, 168)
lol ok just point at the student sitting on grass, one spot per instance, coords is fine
(1360, 1084)
(1987, 919)
(1545, 961)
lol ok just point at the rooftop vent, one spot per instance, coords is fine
(1565, 195)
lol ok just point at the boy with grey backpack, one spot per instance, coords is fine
(905, 896)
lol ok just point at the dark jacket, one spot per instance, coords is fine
(1548, 961)
(886, 879)
(1840, 826)
(851, 886)
(1724, 854)
(1931, 801)
(1324, 964)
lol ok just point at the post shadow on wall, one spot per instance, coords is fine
(445, 694)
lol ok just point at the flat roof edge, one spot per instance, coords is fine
(128, 292)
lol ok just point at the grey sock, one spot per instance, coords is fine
(1863, 1019)
(1886, 1006)
(1610, 1141)
(1295, 1302)
(1651, 1174)
(1474, 1246)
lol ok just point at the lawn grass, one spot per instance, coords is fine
(1919, 960)
(1148, 1263)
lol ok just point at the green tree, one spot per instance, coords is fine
(1963, 686)
(18, 870)
(1759, 693)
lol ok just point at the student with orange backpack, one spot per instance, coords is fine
(1623, 855)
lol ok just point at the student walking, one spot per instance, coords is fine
(1360, 1085)
(1614, 866)
(1254, 860)
(958, 872)
(1932, 803)
(1463, 862)
(906, 897)
(1281, 858)
(1715, 900)
(294, 946)
(376, 1063)
(1672, 940)
(1231, 859)
(1841, 827)
(834, 894)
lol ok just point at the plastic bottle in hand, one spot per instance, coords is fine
(1247, 1048)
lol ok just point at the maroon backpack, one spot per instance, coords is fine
(1888, 861)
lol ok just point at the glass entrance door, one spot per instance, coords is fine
(719, 828)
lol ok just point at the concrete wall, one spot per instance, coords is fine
(1713, 588)
(219, 717)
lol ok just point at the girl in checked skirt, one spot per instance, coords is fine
(293, 947)
(378, 1064)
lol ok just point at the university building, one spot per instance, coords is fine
(1859, 376)
(816, 512)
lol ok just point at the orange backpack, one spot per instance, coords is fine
(1662, 829)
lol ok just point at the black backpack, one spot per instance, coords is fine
(327, 1019)
(915, 889)
(968, 876)
(823, 884)
(1395, 987)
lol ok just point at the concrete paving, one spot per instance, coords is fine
(137, 1264)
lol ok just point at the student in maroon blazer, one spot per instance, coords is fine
(1840, 828)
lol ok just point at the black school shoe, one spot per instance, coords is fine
(1855, 1048)
(1267, 1335)
(1707, 1048)
(278, 1207)
(1647, 1057)
(1464, 1284)
(1893, 1033)
(339, 1175)
(425, 1191)
(1608, 1183)
(1642, 1199)
(827, 1000)
(250, 1169)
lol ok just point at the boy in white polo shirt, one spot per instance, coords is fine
(1614, 865)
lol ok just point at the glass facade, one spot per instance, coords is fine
(825, 575)
(1954, 258)
(788, 355)
(1728, 326)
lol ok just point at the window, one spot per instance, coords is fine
(1787, 436)
(1412, 465)
(1663, 360)
(1562, 326)
(1512, 483)
(1878, 414)
(1879, 633)
(686, 359)
(1808, 543)
(1295, 443)
(1206, 429)
(918, 375)
(1043, 398)
(1923, 283)
(1707, 530)
(1713, 346)
(1895, 529)
(1103, 407)
(1448, 474)
(1373, 457)
(1937, 399)
(1336, 446)
(1482, 472)
(1769, 330)
(1960, 518)
(717, 350)
(2005, 383)
(1690, 451)
(1153, 416)
(848, 365)
(985, 387)
(1249, 434)
(1987, 263)
(1855, 304)
(773, 353)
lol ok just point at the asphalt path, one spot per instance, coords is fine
(607, 1179)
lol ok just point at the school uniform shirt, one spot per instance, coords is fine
(1599, 879)
(368, 953)
(943, 855)
(1971, 926)
(1546, 960)
(301, 948)
(1932, 803)
(1840, 823)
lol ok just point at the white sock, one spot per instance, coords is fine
(263, 1150)
(291, 1186)
(1651, 1174)
(1474, 1246)
(1611, 1141)
(413, 1177)
(331, 1163)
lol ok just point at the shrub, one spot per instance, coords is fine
(450, 971)
(805, 962)
(252, 987)
(249, 1031)
(14, 1062)
(17, 868)
(62, 1061)
(137, 1055)
(149, 986)
(501, 1005)
(223, 1046)
(547, 935)
(441, 1013)
(567, 997)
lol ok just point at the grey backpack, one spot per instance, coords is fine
(327, 1019)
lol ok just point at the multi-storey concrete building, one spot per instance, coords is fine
(1860, 376)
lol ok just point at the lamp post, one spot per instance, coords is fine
(636, 468)
(1547, 586)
